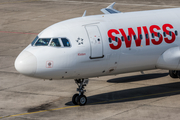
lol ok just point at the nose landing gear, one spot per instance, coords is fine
(80, 99)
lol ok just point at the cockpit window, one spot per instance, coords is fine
(34, 40)
(65, 42)
(55, 42)
(43, 42)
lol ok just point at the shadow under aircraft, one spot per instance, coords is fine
(137, 78)
(135, 94)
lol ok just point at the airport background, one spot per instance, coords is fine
(132, 96)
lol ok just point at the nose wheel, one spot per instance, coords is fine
(80, 99)
(74, 99)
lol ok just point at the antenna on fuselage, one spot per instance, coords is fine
(84, 14)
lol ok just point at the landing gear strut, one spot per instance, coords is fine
(80, 99)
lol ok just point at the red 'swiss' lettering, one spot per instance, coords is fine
(165, 26)
(131, 34)
(119, 43)
(154, 31)
(128, 43)
(146, 35)
(156, 34)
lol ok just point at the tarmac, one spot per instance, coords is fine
(153, 95)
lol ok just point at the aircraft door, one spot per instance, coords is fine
(96, 42)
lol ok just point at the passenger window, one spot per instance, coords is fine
(43, 42)
(164, 33)
(170, 33)
(122, 38)
(147, 36)
(65, 42)
(141, 37)
(176, 33)
(135, 37)
(110, 40)
(34, 40)
(129, 38)
(55, 42)
(152, 35)
(116, 39)
(159, 35)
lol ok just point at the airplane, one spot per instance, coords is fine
(100, 45)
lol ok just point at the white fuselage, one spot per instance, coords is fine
(105, 45)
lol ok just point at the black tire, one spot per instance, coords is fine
(173, 74)
(75, 99)
(82, 100)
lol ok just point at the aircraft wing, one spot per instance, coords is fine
(110, 9)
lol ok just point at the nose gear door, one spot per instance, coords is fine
(96, 42)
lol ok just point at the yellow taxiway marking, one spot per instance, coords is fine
(38, 111)
(89, 104)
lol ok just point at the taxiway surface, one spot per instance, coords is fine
(133, 96)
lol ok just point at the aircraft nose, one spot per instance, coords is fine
(26, 63)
